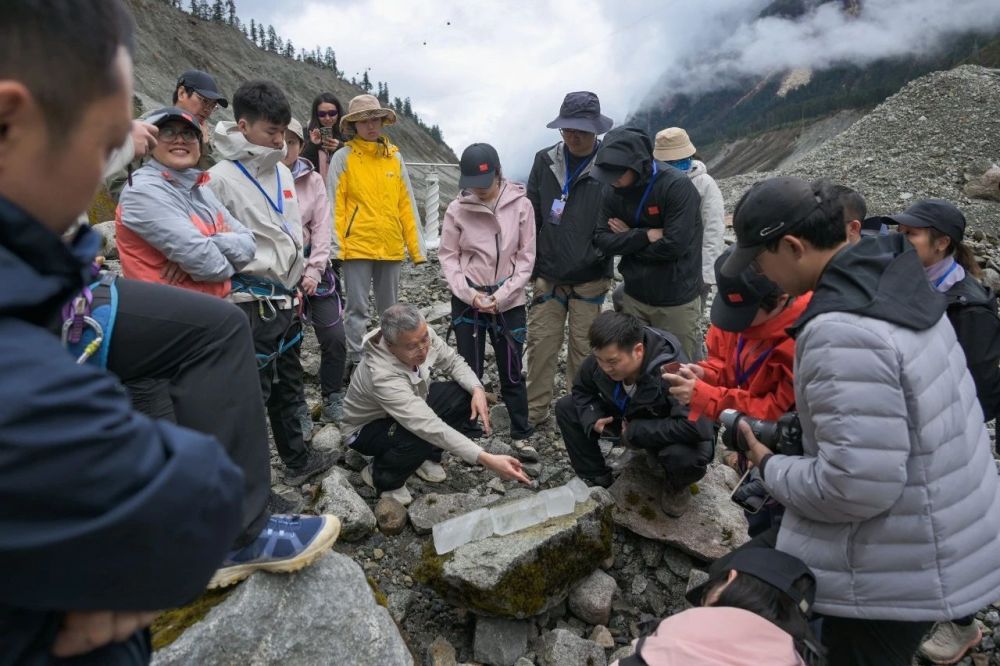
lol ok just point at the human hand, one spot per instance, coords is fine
(755, 450)
(480, 409)
(682, 384)
(485, 303)
(309, 285)
(315, 136)
(143, 137)
(84, 631)
(654, 234)
(617, 225)
(694, 369)
(506, 467)
(331, 144)
(172, 273)
(603, 423)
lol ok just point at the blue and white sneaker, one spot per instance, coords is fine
(287, 543)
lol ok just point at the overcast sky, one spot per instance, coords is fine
(493, 71)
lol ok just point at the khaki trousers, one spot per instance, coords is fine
(546, 324)
(681, 320)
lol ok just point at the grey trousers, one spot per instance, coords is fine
(359, 277)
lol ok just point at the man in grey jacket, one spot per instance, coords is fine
(895, 504)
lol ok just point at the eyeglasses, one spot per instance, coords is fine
(207, 103)
(579, 134)
(414, 350)
(327, 114)
(186, 134)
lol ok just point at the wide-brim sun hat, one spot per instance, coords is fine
(365, 107)
(295, 127)
(582, 111)
(673, 144)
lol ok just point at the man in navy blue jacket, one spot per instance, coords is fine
(106, 516)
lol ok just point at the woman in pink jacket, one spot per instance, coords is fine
(324, 306)
(487, 253)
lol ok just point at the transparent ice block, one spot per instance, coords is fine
(581, 491)
(518, 515)
(558, 501)
(460, 530)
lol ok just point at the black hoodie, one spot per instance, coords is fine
(972, 311)
(667, 272)
(880, 277)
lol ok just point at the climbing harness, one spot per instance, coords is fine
(497, 325)
(563, 294)
(264, 292)
(87, 328)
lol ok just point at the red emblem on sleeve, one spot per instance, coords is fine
(289, 194)
(653, 210)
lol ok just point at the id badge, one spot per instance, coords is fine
(555, 216)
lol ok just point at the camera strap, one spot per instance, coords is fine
(743, 374)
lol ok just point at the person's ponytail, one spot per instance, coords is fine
(963, 254)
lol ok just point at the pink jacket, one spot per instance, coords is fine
(317, 219)
(691, 638)
(488, 249)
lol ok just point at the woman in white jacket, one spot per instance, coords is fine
(674, 147)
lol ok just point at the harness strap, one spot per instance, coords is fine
(569, 295)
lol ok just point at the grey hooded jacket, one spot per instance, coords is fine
(896, 503)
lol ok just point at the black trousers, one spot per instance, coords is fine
(396, 452)
(280, 379)
(327, 317)
(853, 642)
(189, 357)
(506, 333)
(684, 464)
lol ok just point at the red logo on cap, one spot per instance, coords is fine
(653, 210)
(483, 168)
(734, 297)
(289, 194)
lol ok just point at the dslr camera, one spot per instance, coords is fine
(783, 436)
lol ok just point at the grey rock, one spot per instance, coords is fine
(639, 584)
(602, 636)
(399, 604)
(440, 653)
(532, 469)
(110, 245)
(651, 551)
(354, 460)
(325, 614)
(572, 625)
(711, 527)
(436, 311)
(678, 563)
(500, 642)
(390, 516)
(523, 574)
(695, 578)
(498, 447)
(327, 438)
(524, 661)
(428, 510)
(591, 599)
(992, 618)
(338, 497)
(622, 652)
(990, 278)
(560, 647)
(500, 418)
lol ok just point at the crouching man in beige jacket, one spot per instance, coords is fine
(396, 415)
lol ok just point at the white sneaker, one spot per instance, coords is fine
(366, 476)
(948, 642)
(431, 472)
(401, 495)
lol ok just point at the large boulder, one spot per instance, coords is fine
(592, 598)
(339, 498)
(525, 573)
(109, 247)
(712, 526)
(428, 510)
(325, 614)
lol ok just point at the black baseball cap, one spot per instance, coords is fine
(203, 84)
(478, 165)
(772, 566)
(738, 298)
(160, 117)
(769, 210)
(934, 214)
(875, 226)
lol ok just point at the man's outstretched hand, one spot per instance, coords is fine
(506, 467)
(85, 631)
(481, 409)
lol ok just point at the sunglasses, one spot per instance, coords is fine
(327, 114)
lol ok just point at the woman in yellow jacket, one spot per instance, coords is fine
(375, 216)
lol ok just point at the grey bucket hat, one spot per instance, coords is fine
(582, 111)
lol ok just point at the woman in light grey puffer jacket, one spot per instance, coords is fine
(896, 503)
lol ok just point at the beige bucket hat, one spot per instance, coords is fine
(364, 107)
(295, 127)
(672, 144)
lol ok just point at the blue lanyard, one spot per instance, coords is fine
(621, 397)
(742, 376)
(579, 169)
(279, 207)
(954, 265)
(645, 195)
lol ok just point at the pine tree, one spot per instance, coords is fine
(253, 32)
(272, 39)
(234, 20)
(279, 46)
(218, 11)
(329, 59)
(366, 83)
(354, 82)
(397, 104)
(289, 50)
(195, 8)
(407, 108)
(435, 133)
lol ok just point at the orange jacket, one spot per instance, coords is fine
(769, 392)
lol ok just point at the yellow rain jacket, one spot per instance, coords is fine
(374, 212)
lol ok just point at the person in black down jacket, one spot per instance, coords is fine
(652, 218)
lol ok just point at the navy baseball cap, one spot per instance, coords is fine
(160, 117)
(934, 214)
(203, 84)
(769, 210)
(738, 298)
(772, 566)
(479, 165)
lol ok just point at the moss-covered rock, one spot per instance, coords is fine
(172, 623)
(528, 572)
